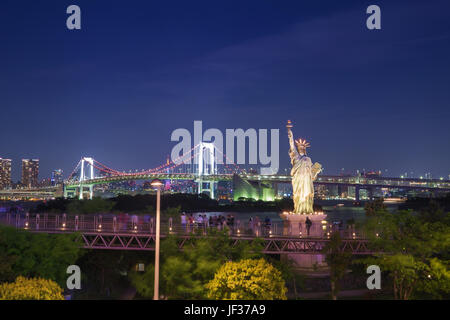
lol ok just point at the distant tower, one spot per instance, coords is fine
(5, 173)
(30, 172)
(57, 177)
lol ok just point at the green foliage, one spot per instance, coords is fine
(183, 274)
(104, 272)
(36, 255)
(31, 289)
(415, 249)
(6, 266)
(404, 232)
(337, 261)
(405, 272)
(96, 205)
(247, 280)
(144, 282)
(375, 207)
(172, 213)
(290, 275)
(437, 281)
(432, 213)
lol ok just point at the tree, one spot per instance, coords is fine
(437, 281)
(6, 267)
(184, 273)
(405, 272)
(375, 207)
(337, 261)
(31, 289)
(412, 249)
(247, 280)
(105, 272)
(96, 205)
(37, 255)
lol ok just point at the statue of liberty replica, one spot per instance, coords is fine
(303, 174)
(303, 222)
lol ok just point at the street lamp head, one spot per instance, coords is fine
(156, 183)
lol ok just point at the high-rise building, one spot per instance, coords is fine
(5, 173)
(30, 172)
(57, 177)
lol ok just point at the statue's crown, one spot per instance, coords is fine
(302, 143)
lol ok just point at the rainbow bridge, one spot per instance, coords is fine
(207, 166)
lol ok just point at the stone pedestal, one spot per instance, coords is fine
(294, 226)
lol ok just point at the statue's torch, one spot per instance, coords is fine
(289, 125)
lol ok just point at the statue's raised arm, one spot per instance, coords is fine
(293, 148)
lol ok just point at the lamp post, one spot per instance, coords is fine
(156, 183)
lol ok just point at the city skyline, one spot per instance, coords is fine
(115, 91)
(58, 175)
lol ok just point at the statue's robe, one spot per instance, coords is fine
(302, 184)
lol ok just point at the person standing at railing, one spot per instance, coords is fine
(183, 221)
(308, 224)
(146, 220)
(205, 221)
(267, 224)
(200, 221)
(256, 226)
(120, 221)
(134, 221)
(211, 221)
(126, 219)
(191, 221)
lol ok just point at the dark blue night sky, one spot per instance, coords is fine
(137, 70)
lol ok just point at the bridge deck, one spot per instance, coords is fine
(111, 233)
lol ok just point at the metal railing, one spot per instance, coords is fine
(138, 224)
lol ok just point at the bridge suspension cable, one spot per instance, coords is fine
(184, 159)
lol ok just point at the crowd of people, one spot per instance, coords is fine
(254, 225)
(189, 222)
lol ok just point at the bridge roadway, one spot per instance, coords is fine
(350, 181)
(383, 182)
(110, 232)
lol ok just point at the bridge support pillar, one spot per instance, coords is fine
(370, 193)
(201, 188)
(91, 191)
(357, 193)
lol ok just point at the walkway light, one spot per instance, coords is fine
(156, 183)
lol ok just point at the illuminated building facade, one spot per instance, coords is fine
(30, 172)
(5, 173)
(256, 190)
(57, 177)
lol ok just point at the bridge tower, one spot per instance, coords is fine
(206, 166)
(86, 170)
(87, 173)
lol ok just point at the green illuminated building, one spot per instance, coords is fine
(256, 190)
